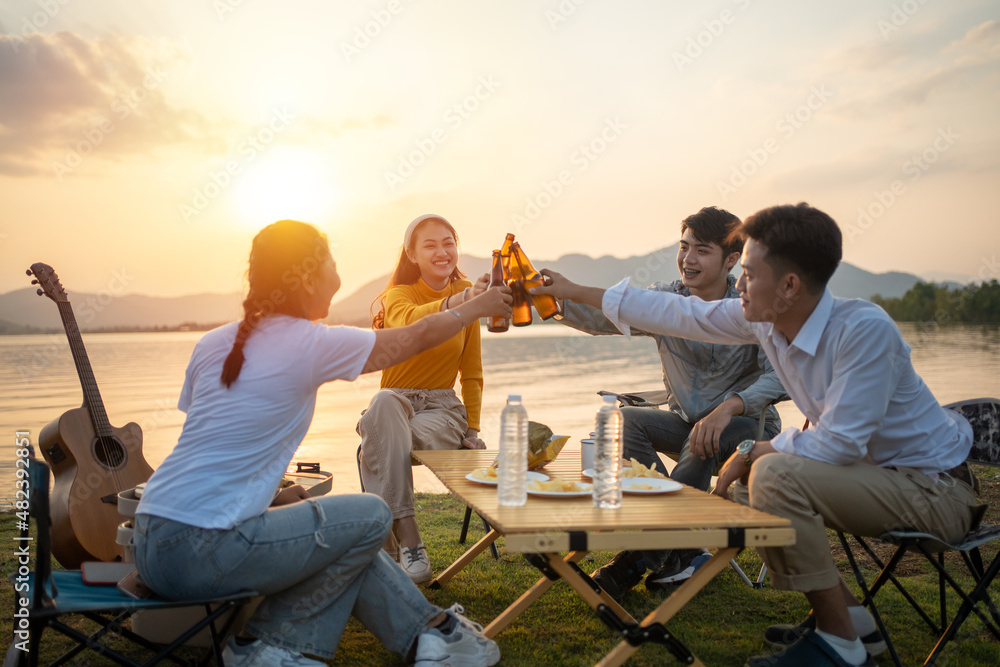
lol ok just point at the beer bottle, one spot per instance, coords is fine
(505, 257)
(497, 324)
(545, 304)
(521, 305)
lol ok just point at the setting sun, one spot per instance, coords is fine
(291, 184)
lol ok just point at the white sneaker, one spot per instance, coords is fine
(259, 654)
(464, 646)
(416, 564)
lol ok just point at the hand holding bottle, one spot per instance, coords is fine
(481, 285)
(562, 287)
(494, 301)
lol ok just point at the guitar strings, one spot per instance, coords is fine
(92, 398)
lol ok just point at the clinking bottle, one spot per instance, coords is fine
(497, 323)
(545, 304)
(505, 257)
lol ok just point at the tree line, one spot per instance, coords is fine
(932, 302)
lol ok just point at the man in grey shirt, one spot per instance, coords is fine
(715, 393)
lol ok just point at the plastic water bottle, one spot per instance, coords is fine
(608, 456)
(512, 488)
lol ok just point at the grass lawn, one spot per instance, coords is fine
(723, 625)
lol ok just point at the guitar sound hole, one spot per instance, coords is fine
(109, 451)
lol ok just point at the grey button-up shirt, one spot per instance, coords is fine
(698, 376)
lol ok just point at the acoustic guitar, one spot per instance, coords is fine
(91, 460)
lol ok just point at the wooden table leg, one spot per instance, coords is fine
(537, 590)
(673, 604)
(466, 558)
(577, 583)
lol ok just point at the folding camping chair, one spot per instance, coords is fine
(465, 521)
(984, 416)
(54, 595)
(657, 397)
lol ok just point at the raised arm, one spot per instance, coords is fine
(398, 344)
(563, 288)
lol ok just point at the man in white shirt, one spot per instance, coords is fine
(880, 453)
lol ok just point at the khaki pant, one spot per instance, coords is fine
(857, 499)
(396, 422)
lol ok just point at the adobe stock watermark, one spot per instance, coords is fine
(220, 179)
(569, 347)
(31, 23)
(425, 146)
(224, 7)
(899, 16)
(704, 39)
(786, 127)
(561, 12)
(370, 30)
(914, 167)
(121, 108)
(989, 268)
(584, 155)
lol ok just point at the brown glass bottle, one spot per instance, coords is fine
(522, 304)
(545, 304)
(497, 324)
(505, 257)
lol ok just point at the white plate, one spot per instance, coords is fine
(659, 485)
(589, 474)
(563, 494)
(541, 477)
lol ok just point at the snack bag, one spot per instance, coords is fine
(543, 446)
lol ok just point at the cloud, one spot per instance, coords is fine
(945, 70)
(311, 129)
(978, 46)
(67, 98)
(64, 94)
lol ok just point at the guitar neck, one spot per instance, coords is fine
(91, 393)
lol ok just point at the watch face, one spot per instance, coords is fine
(745, 446)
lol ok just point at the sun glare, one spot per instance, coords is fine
(290, 184)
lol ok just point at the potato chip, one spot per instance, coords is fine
(636, 469)
(555, 485)
(643, 487)
(489, 474)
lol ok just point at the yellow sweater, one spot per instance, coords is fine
(438, 367)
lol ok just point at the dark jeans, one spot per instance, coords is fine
(651, 430)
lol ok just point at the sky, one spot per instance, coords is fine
(142, 143)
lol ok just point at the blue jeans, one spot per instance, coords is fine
(317, 562)
(651, 430)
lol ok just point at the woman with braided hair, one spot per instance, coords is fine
(210, 523)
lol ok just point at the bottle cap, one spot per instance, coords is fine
(610, 398)
(514, 397)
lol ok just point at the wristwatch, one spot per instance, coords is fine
(744, 449)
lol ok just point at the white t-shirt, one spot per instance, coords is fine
(237, 442)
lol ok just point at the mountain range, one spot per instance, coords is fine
(22, 311)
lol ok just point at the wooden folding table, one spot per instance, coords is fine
(544, 528)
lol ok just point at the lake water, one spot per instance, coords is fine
(556, 370)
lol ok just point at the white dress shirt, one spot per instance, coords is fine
(848, 370)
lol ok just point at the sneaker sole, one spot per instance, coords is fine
(421, 578)
(874, 643)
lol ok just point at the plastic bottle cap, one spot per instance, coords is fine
(608, 398)
(514, 397)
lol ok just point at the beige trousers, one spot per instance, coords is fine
(857, 499)
(396, 422)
